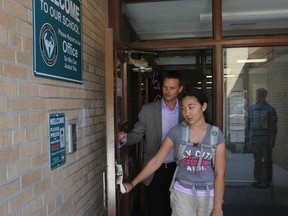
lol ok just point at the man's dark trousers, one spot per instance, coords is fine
(157, 192)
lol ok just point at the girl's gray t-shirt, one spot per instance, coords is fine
(187, 167)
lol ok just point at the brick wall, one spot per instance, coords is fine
(27, 185)
(278, 96)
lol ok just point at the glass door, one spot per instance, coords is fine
(255, 124)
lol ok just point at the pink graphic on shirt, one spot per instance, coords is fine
(190, 163)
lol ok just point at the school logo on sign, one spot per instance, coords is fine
(48, 44)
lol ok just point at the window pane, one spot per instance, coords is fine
(254, 17)
(256, 121)
(162, 20)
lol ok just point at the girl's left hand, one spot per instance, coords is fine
(216, 212)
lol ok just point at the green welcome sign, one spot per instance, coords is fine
(57, 40)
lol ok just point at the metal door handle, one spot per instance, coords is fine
(119, 177)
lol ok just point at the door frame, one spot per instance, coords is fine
(110, 123)
(117, 203)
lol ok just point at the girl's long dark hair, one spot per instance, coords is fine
(201, 98)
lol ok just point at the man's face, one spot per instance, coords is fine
(171, 89)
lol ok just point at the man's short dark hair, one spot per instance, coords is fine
(174, 75)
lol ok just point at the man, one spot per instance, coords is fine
(154, 121)
(262, 125)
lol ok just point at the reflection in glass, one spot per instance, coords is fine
(261, 133)
(255, 121)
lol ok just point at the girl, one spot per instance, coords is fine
(198, 185)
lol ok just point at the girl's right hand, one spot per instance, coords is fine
(128, 186)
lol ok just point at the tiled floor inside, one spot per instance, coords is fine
(245, 200)
(241, 199)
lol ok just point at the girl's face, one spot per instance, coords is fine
(192, 110)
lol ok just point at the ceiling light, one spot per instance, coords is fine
(251, 60)
(229, 76)
(142, 69)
